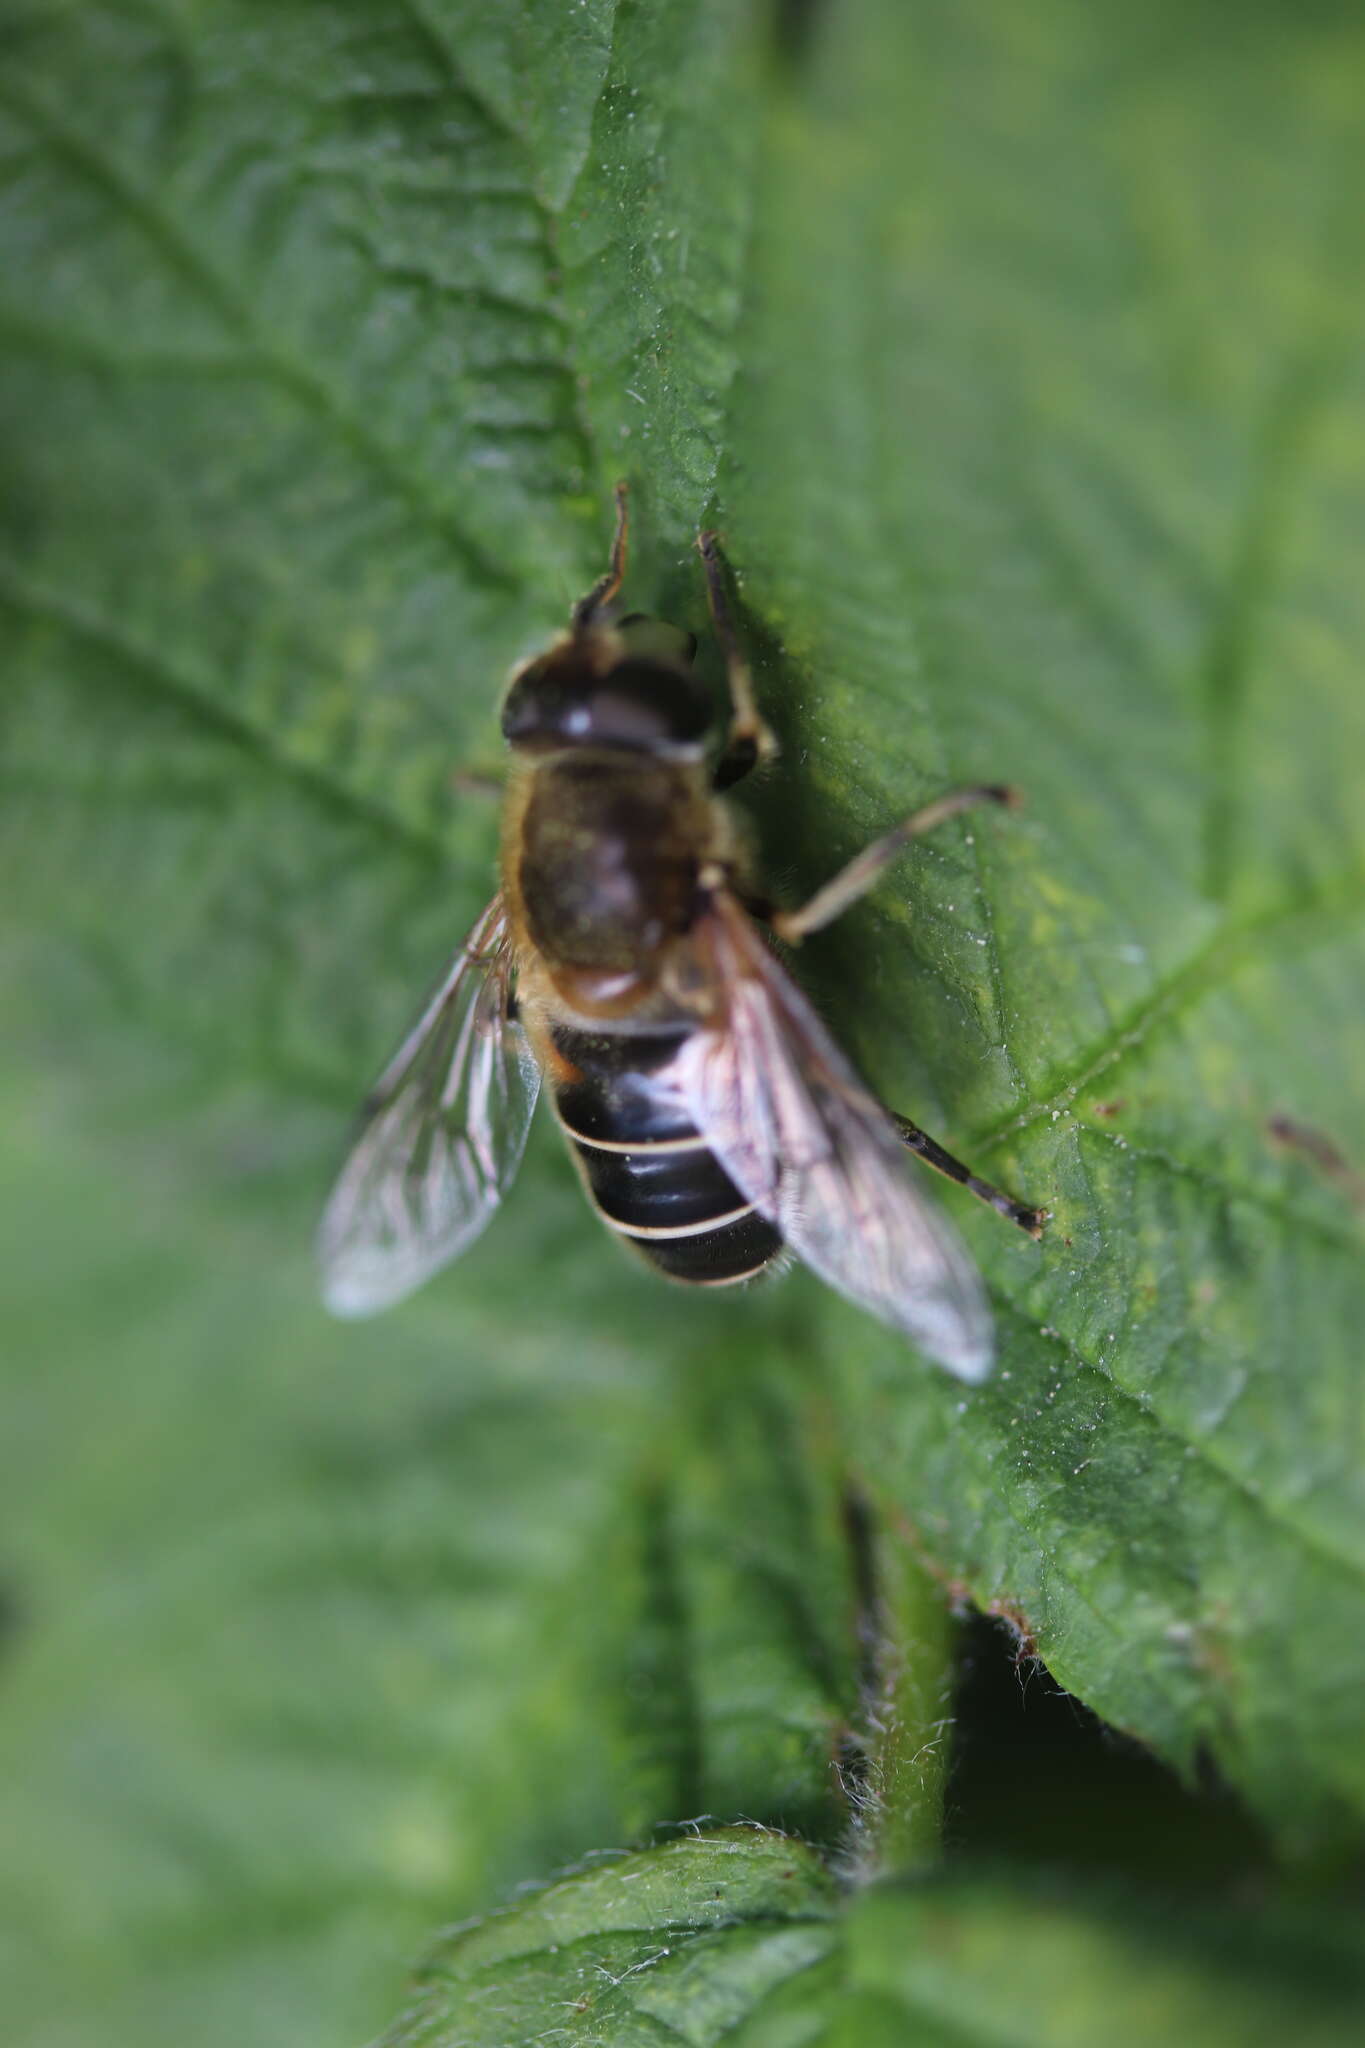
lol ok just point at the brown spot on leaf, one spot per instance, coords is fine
(1019, 1626)
(1319, 1150)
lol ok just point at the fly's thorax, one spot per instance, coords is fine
(601, 860)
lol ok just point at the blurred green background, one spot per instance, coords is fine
(1018, 354)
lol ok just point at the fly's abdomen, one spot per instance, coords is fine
(648, 1169)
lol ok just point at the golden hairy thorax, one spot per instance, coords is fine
(602, 852)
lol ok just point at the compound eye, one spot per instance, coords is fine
(533, 705)
(640, 705)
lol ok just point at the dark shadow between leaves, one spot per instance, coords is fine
(1036, 1775)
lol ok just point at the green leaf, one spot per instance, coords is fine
(1075, 498)
(1018, 354)
(737, 1938)
(676, 1943)
(317, 1637)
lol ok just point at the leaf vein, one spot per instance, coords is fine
(1311, 1540)
(102, 169)
(1197, 976)
(156, 676)
(1282, 444)
(1232, 1191)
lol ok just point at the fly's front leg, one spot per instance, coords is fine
(488, 782)
(924, 1147)
(604, 590)
(863, 870)
(749, 740)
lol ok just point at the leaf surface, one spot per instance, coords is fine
(738, 1938)
(1019, 358)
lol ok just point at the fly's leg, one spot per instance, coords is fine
(924, 1147)
(749, 740)
(844, 889)
(480, 782)
(864, 869)
(604, 590)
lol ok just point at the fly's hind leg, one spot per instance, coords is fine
(865, 868)
(750, 740)
(924, 1147)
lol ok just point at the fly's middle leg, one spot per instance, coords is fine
(844, 889)
(865, 868)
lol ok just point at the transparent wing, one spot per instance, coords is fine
(803, 1139)
(444, 1132)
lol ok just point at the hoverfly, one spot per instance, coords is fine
(623, 963)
